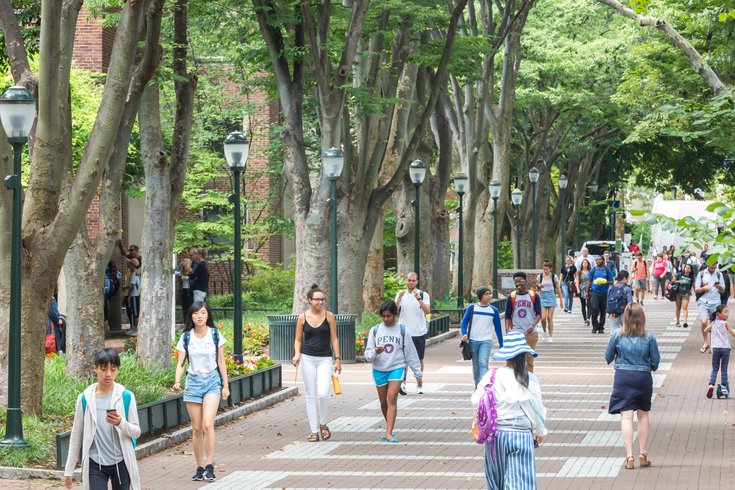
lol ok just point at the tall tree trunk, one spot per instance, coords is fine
(373, 290)
(156, 246)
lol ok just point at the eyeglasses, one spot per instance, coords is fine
(319, 300)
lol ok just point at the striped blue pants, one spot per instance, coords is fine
(514, 465)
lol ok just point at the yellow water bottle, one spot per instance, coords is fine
(335, 383)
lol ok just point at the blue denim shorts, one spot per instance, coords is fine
(200, 385)
(382, 377)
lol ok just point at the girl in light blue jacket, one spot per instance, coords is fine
(389, 352)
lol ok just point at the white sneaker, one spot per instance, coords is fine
(419, 391)
(550, 340)
(544, 339)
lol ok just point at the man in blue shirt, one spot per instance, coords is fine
(601, 277)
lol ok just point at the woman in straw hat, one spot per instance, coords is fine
(511, 417)
(636, 355)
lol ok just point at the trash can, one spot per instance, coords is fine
(282, 330)
(281, 333)
(346, 335)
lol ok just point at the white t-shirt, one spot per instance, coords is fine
(711, 297)
(411, 314)
(135, 284)
(202, 353)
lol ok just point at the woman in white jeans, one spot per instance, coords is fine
(315, 343)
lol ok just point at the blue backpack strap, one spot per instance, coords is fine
(127, 396)
(84, 403)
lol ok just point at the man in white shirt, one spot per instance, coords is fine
(413, 306)
(585, 255)
(709, 285)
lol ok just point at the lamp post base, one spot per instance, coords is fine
(14, 430)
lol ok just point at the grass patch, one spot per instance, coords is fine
(40, 434)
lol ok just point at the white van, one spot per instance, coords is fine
(623, 260)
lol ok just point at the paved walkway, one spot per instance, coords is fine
(691, 443)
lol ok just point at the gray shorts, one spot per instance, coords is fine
(705, 310)
(639, 284)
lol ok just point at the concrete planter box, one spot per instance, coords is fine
(165, 414)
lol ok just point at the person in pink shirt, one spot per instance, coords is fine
(660, 266)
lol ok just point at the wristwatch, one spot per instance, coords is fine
(337, 358)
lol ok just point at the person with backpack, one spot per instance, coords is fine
(601, 278)
(523, 312)
(636, 355)
(708, 287)
(477, 328)
(549, 290)
(206, 383)
(389, 352)
(640, 277)
(111, 287)
(511, 418)
(618, 297)
(104, 431)
(314, 345)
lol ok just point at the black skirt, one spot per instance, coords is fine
(632, 390)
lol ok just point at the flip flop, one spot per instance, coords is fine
(704, 348)
(392, 440)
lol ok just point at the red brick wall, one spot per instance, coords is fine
(92, 44)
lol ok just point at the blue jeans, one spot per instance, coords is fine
(568, 298)
(720, 360)
(480, 358)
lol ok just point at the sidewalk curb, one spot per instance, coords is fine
(161, 443)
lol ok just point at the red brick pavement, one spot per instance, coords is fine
(690, 445)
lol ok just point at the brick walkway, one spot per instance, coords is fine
(691, 438)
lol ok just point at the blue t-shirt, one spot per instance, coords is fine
(604, 273)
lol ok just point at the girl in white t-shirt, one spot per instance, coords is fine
(206, 382)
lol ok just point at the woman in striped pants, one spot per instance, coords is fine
(511, 417)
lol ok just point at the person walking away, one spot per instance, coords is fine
(413, 306)
(568, 283)
(636, 356)
(523, 312)
(315, 344)
(548, 284)
(104, 431)
(660, 265)
(724, 296)
(618, 297)
(684, 282)
(708, 288)
(206, 383)
(600, 280)
(515, 417)
(477, 326)
(640, 277)
(389, 352)
(199, 275)
(720, 351)
(583, 280)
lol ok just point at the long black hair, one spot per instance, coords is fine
(196, 306)
(520, 369)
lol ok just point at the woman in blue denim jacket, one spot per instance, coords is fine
(636, 355)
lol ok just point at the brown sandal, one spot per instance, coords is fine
(629, 463)
(314, 437)
(325, 432)
(643, 459)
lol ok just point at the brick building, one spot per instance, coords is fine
(92, 51)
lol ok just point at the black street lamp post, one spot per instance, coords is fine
(517, 197)
(417, 172)
(333, 161)
(17, 112)
(563, 181)
(533, 175)
(237, 148)
(460, 185)
(495, 187)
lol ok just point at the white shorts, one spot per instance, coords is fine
(705, 310)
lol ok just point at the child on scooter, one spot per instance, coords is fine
(720, 351)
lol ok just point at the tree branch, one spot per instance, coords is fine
(679, 41)
(15, 48)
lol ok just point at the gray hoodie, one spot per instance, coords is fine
(399, 349)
